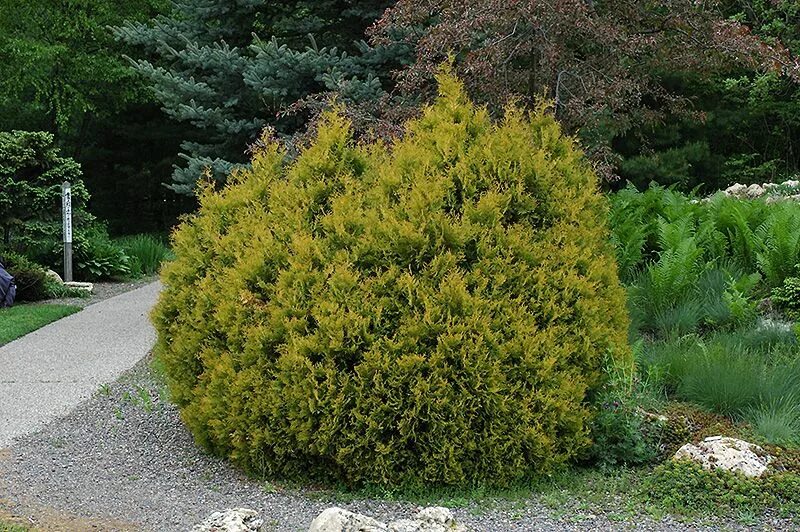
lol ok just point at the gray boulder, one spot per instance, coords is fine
(754, 191)
(737, 190)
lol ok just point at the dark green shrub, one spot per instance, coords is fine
(31, 279)
(98, 257)
(622, 431)
(787, 297)
(623, 434)
(95, 255)
(31, 174)
(432, 313)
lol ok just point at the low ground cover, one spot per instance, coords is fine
(20, 320)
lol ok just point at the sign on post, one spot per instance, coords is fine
(66, 213)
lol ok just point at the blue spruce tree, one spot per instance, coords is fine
(229, 68)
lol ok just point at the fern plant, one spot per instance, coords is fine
(779, 244)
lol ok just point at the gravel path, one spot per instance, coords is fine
(124, 461)
(48, 372)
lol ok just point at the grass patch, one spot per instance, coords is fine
(22, 319)
(10, 527)
(146, 253)
(685, 488)
(750, 375)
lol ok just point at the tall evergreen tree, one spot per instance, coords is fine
(230, 68)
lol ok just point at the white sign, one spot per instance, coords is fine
(66, 210)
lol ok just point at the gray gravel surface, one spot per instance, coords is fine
(124, 461)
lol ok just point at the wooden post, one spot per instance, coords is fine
(66, 212)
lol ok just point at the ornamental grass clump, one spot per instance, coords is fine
(438, 311)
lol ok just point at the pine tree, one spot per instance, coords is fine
(229, 68)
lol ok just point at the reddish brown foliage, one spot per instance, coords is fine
(601, 62)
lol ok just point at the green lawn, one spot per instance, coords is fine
(22, 319)
(10, 527)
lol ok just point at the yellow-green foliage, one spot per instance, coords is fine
(434, 312)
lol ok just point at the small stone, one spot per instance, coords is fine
(404, 525)
(730, 454)
(231, 520)
(791, 183)
(436, 514)
(87, 287)
(649, 415)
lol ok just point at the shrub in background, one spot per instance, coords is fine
(95, 255)
(31, 279)
(98, 257)
(435, 312)
(622, 432)
(31, 174)
(694, 266)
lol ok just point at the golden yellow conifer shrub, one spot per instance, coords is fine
(435, 311)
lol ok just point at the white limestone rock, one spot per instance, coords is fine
(730, 454)
(231, 520)
(737, 190)
(754, 191)
(54, 276)
(340, 520)
(433, 519)
(86, 287)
